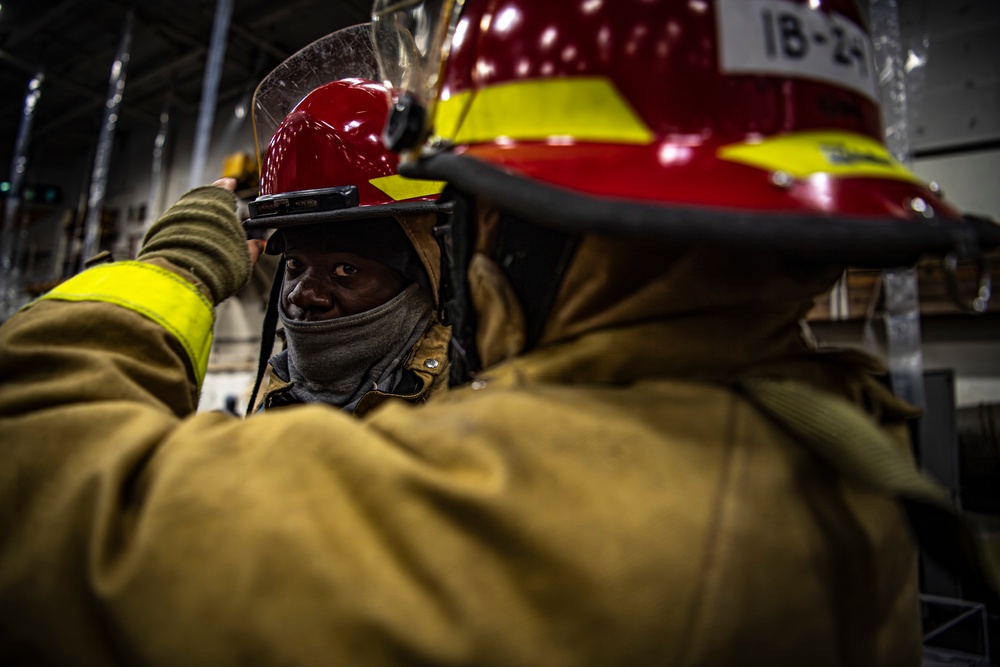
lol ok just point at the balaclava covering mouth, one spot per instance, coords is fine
(338, 361)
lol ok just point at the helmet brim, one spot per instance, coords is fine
(861, 241)
(345, 214)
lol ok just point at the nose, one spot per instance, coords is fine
(312, 297)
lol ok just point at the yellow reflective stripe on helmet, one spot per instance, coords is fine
(570, 108)
(158, 294)
(399, 187)
(802, 154)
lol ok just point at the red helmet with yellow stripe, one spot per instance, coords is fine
(753, 125)
(324, 159)
(714, 120)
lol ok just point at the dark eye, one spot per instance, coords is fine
(344, 270)
(293, 264)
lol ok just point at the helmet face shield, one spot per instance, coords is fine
(412, 39)
(344, 54)
(317, 121)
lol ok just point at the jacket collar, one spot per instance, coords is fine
(696, 348)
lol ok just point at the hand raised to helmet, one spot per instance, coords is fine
(201, 234)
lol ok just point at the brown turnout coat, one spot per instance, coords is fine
(646, 520)
(609, 499)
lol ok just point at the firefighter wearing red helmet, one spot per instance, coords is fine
(359, 271)
(651, 463)
(649, 197)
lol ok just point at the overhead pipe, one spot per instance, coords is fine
(105, 142)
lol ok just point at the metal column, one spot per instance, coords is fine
(9, 287)
(105, 141)
(156, 178)
(210, 90)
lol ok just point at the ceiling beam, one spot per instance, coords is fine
(283, 10)
(26, 32)
(72, 86)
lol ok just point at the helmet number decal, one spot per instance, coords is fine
(780, 38)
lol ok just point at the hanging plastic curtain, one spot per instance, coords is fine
(210, 90)
(105, 141)
(902, 303)
(9, 287)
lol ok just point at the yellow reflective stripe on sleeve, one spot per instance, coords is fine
(567, 109)
(399, 187)
(162, 296)
(802, 154)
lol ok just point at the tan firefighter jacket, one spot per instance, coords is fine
(595, 502)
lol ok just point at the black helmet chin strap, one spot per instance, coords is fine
(532, 257)
(268, 331)
(457, 244)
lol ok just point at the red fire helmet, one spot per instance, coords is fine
(325, 159)
(765, 111)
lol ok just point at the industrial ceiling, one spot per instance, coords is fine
(74, 43)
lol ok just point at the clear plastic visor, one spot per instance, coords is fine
(345, 54)
(411, 39)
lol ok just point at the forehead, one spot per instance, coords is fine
(329, 239)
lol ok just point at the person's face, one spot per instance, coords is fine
(322, 282)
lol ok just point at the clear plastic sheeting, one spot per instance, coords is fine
(105, 142)
(890, 60)
(902, 318)
(344, 54)
(210, 90)
(10, 299)
(905, 358)
(916, 50)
